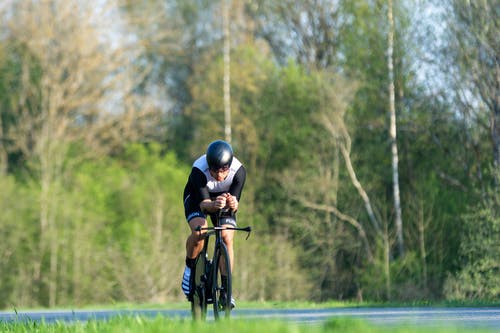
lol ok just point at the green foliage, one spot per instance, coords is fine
(436, 185)
(479, 277)
(116, 228)
(122, 237)
(18, 67)
(250, 70)
(139, 217)
(121, 232)
(288, 102)
(404, 283)
(18, 229)
(139, 324)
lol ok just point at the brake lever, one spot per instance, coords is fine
(248, 230)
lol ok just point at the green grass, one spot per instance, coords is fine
(298, 305)
(347, 304)
(277, 305)
(140, 324)
(137, 324)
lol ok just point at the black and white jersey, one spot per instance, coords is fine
(201, 185)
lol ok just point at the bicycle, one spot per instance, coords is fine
(208, 285)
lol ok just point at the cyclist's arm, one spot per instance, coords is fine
(199, 181)
(212, 206)
(236, 188)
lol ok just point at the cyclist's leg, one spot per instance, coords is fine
(194, 243)
(195, 218)
(228, 236)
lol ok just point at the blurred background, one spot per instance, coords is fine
(370, 130)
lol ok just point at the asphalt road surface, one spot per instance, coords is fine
(487, 317)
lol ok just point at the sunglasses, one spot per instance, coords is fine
(222, 169)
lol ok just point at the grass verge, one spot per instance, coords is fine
(138, 324)
(184, 305)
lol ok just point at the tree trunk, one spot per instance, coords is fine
(227, 69)
(354, 179)
(3, 151)
(423, 252)
(495, 133)
(387, 258)
(392, 133)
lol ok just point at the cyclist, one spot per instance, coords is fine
(215, 183)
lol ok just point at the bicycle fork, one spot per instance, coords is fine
(207, 280)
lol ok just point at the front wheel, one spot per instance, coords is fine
(199, 297)
(221, 283)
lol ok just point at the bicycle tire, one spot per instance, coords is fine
(199, 299)
(221, 294)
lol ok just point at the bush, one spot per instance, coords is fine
(479, 277)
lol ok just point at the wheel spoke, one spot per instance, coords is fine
(199, 299)
(222, 283)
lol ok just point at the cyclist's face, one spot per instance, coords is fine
(220, 174)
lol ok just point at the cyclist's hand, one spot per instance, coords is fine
(232, 202)
(220, 202)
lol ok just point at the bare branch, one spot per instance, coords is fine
(339, 132)
(346, 218)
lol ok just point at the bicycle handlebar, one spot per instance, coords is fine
(246, 229)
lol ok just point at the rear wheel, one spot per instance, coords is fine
(221, 283)
(199, 299)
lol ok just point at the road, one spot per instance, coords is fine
(467, 317)
(488, 317)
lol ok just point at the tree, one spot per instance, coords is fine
(145, 238)
(227, 69)
(3, 97)
(479, 276)
(350, 37)
(393, 130)
(16, 249)
(175, 54)
(308, 31)
(79, 96)
(471, 49)
(467, 53)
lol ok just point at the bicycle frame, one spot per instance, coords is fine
(208, 285)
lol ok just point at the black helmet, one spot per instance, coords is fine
(219, 155)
